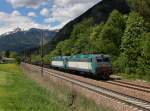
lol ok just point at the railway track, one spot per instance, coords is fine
(126, 84)
(140, 104)
(130, 85)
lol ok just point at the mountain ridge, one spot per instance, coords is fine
(18, 40)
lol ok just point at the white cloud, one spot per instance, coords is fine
(8, 22)
(44, 12)
(67, 10)
(32, 14)
(15, 13)
(49, 20)
(62, 11)
(26, 3)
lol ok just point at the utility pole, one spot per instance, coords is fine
(42, 54)
(30, 55)
(25, 54)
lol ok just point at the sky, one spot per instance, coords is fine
(42, 14)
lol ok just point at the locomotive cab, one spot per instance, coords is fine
(103, 67)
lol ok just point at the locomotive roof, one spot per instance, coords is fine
(81, 56)
(89, 55)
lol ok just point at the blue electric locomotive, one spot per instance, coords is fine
(96, 64)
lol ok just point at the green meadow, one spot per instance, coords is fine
(18, 93)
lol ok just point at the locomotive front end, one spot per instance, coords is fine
(104, 67)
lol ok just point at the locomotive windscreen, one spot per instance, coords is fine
(99, 60)
(102, 59)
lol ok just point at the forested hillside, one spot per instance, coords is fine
(99, 13)
(124, 36)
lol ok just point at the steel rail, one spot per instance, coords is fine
(132, 84)
(124, 84)
(135, 87)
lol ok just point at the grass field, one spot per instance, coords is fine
(18, 93)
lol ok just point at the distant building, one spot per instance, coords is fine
(6, 60)
(1, 59)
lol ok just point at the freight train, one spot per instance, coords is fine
(98, 65)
